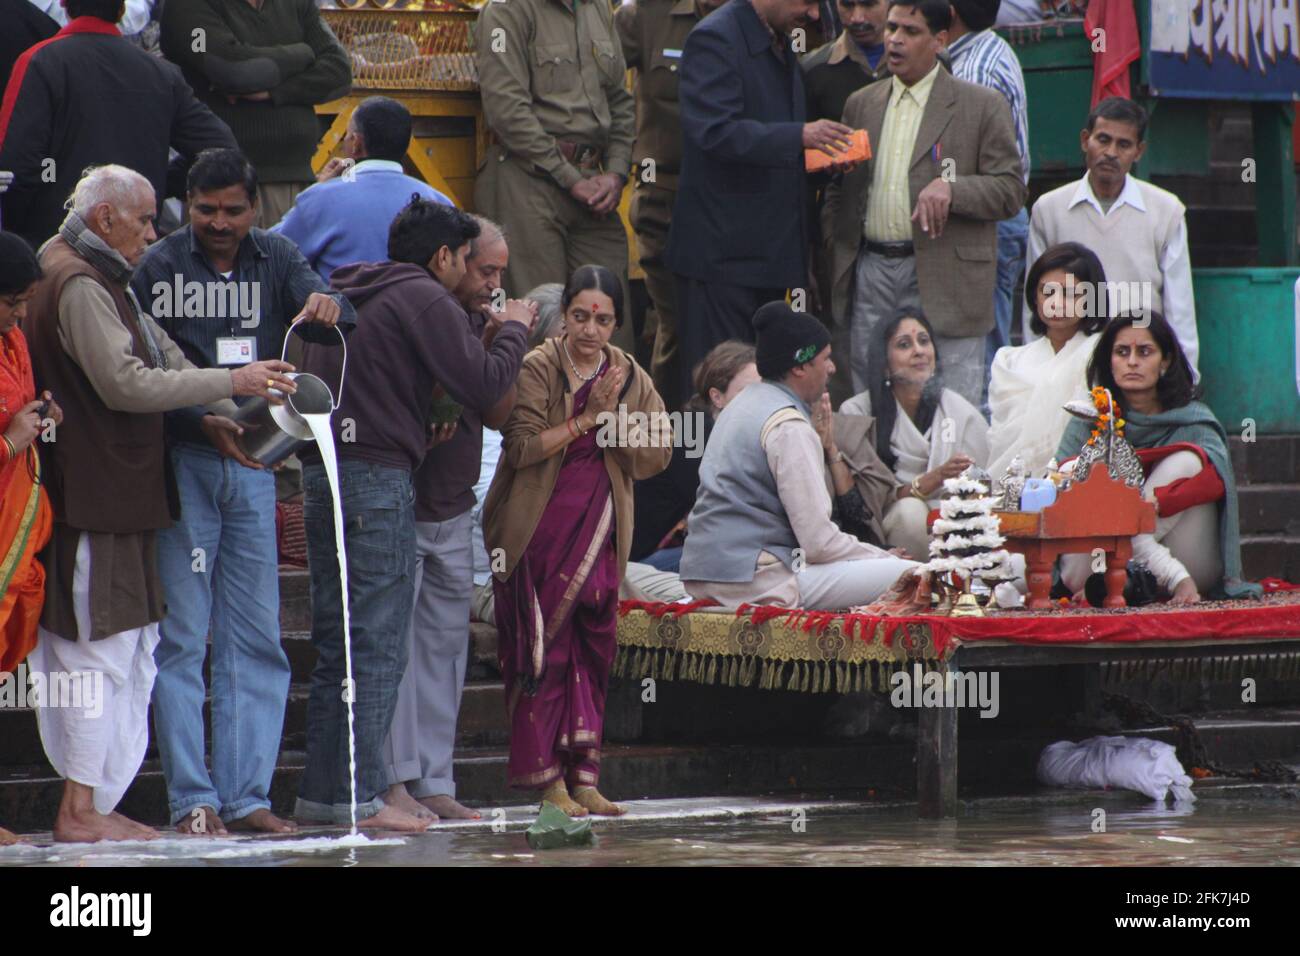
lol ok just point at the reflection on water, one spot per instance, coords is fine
(1224, 831)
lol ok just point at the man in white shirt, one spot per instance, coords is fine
(1020, 11)
(1138, 230)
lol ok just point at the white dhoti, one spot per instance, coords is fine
(100, 744)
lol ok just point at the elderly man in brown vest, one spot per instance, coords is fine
(114, 372)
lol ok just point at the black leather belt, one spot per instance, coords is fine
(891, 250)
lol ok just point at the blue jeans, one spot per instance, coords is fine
(219, 567)
(668, 559)
(379, 535)
(1013, 237)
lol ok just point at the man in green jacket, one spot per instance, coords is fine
(261, 65)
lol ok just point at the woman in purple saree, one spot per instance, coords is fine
(558, 528)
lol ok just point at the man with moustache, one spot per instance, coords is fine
(418, 752)
(916, 225)
(1139, 231)
(227, 503)
(835, 71)
(653, 34)
(739, 233)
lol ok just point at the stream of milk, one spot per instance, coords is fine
(320, 429)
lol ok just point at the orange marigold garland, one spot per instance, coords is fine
(1106, 407)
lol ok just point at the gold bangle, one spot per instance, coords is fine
(916, 489)
(13, 449)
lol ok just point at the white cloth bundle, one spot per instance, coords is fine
(1130, 763)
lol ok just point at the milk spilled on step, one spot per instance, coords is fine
(324, 435)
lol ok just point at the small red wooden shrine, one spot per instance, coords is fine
(1097, 513)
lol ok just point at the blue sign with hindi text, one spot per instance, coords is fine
(1225, 49)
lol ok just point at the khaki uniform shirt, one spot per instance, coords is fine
(889, 206)
(550, 71)
(653, 34)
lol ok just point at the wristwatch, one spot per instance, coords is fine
(839, 456)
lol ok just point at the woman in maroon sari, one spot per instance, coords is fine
(558, 528)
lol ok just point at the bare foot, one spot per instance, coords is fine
(558, 794)
(391, 818)
(590, 798)
(79, 822)
(449, 809)
(8, 839)
(137, 831)
(201, 821)
(398, 797)
(91, 826)
(263, 820)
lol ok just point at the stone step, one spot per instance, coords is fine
(29, 796)
(482, 723)
(295, 599)
(1269, 509)
(1269, 459)
(1237, 742)
(1271, 556)
(989, 766)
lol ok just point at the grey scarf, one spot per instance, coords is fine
(109, 263)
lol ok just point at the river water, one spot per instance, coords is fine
(1229, 826)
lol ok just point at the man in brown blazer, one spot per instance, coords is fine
(916, 226)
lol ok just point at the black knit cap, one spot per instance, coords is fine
(18, 265)
(786, 339)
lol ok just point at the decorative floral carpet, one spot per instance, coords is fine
(817, 651)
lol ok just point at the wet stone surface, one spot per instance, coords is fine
(1231, 825)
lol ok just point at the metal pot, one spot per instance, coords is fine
(274, 432)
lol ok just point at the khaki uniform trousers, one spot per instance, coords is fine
(549, 232)
(274, 200)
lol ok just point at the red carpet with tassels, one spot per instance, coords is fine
(1277, 615)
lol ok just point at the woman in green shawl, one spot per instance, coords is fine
(1196, 548)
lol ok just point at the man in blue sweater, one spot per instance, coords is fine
(345, 217)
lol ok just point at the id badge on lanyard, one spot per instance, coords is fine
(236, 349)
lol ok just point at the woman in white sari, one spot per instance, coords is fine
(1029, 384)
(924, 432)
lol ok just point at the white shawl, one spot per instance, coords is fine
(1027, 389)
(958, 428)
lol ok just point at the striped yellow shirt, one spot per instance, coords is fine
(889, 207)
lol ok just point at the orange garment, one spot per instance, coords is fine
(25, 516)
